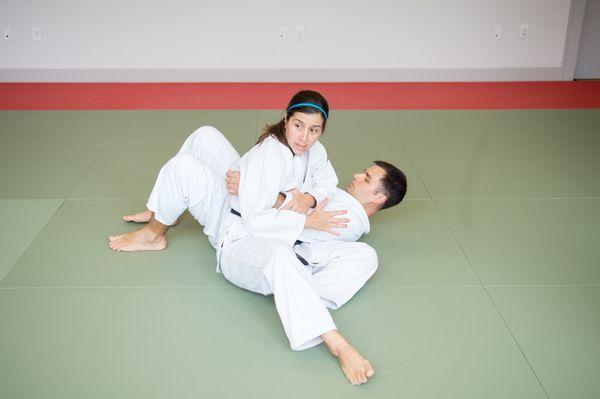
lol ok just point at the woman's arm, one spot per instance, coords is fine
(263, 174)
(324, 179)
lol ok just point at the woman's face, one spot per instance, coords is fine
(302, 130)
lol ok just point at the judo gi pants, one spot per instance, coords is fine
(194, 179)
(302, 293)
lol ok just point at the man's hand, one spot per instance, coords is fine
(326, 221)
(300, 202)
(232, 182)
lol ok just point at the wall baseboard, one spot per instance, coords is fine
(283, 75)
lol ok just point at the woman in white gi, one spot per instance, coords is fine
(255, 241)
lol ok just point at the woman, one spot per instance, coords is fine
(256, 240)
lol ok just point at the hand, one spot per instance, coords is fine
(232, 182)
(326, 221)
(280, 200)
(300, 202)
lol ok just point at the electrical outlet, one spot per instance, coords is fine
(282, 32)
(7, 33)
(36, 33)
(497, 33)
(524, 32)
(299, 32)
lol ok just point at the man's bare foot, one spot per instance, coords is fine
(144, 217)
(356, 368)
(140, 217)
(140, 240)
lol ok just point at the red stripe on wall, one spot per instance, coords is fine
(130, 96)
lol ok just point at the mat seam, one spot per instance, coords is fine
(58, 208)
(483, 286)
(68, 196)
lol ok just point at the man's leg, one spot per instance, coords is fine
(356, 368)
(344, 267)
(182, 183)
(210, 146)
(271, 267)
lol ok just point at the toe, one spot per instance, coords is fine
(369, 369)
(120, 244)
(362, 377)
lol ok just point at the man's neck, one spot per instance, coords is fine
(370, 209)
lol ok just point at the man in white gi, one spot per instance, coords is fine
(328, 272)
(327, 269)
(338, 263)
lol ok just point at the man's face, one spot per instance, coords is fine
(367, 187)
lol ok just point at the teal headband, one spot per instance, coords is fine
(310, 105)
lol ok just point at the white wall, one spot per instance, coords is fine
(238, 40)
(588, 60)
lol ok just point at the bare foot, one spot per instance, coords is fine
(140, 240)
(144, 217)
(356, 368)
(140, 217)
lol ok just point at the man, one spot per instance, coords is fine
(335, 256)
(328, 271)
(321, 273)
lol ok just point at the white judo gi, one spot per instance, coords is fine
(194, 180)
(255, 251)
(339, 265)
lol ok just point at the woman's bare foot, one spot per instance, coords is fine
(356, 368)
(140, 217)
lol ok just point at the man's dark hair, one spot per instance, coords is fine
(394, 184)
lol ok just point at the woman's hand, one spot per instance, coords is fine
(232, 182)
(326, 221)
(300, 202)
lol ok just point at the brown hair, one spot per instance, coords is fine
(277, 130)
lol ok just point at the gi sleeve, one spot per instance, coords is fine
(263, 175)
(324, 179)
